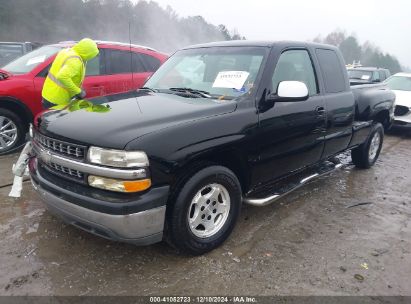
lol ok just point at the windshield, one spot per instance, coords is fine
(9, 52)
(359, 74)
(401, 83)
(28, 62)
(217, 72)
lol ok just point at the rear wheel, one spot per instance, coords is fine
(365, 155)
(205, 210)
(12, 131)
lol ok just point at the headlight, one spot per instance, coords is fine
(119, 185)
(117, 158)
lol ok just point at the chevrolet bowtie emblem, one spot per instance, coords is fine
(46, 156)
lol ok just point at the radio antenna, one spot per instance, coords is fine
(131, 54)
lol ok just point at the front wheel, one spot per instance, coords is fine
(205, 210)
(12, 131)
(365, 155)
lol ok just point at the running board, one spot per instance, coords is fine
(269, 195)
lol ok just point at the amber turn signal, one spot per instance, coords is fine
(137, 185)
(119, 185)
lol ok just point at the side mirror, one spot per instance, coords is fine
(376, 80)
(291, 91)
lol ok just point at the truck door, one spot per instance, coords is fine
(339, 102)
(291, 133)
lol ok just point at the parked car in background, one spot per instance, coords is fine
(12, 50)
(115, 70)
(217, 125)
(400, 84)
(364, 75)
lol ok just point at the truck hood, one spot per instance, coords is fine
(403, 98)
(131, 115)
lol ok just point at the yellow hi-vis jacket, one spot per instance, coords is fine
(67, 72)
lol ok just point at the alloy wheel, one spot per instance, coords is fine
(209, 210)
(374, 146)
(8, 133)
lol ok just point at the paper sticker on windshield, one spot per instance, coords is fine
(365, 77)
(230, 79)
(35, 60)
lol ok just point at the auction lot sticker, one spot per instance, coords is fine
(230, 79)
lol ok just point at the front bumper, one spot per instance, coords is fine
(402, 121)
(138, 220)
(402, 116)
(141, 228)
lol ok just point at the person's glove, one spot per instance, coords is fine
(80, 95)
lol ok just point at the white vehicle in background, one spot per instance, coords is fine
(400, 84)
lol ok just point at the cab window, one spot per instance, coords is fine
(376, 77)
(331, 67)
(382, 75)
(95, 66)
(295, 65)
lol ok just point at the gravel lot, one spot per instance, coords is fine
(347, 233)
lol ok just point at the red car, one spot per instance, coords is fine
(115, 70)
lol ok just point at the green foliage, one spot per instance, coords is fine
(86, 105)
(50, 21)
(351, 49)
(367, 54)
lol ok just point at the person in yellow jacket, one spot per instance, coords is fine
(67, 73)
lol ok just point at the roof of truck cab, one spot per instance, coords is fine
(261, 43)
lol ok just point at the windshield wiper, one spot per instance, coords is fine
(192, 91)
(148, 89)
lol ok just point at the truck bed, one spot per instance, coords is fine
(371, 99)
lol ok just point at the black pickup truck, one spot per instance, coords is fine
(364, 75)
(217, 125)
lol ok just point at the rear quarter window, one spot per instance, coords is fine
(144, 63)
(150, 63)
(333, 75)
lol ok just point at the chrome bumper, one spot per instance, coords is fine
(48, 157)
(141, 228)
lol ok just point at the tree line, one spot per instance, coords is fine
(367, 53)
(144, 22)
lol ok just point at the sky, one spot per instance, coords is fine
(387, 24)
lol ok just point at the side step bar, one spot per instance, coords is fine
(290, 187)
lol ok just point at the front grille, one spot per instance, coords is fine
(401, 110)
(65, 172)
(60, 147)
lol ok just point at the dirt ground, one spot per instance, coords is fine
(347, 233)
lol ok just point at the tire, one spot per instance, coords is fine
(211, 196)
(365, 155)
(12, 131)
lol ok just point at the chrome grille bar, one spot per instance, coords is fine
(60, 147)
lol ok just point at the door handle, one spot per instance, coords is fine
(320, 111)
